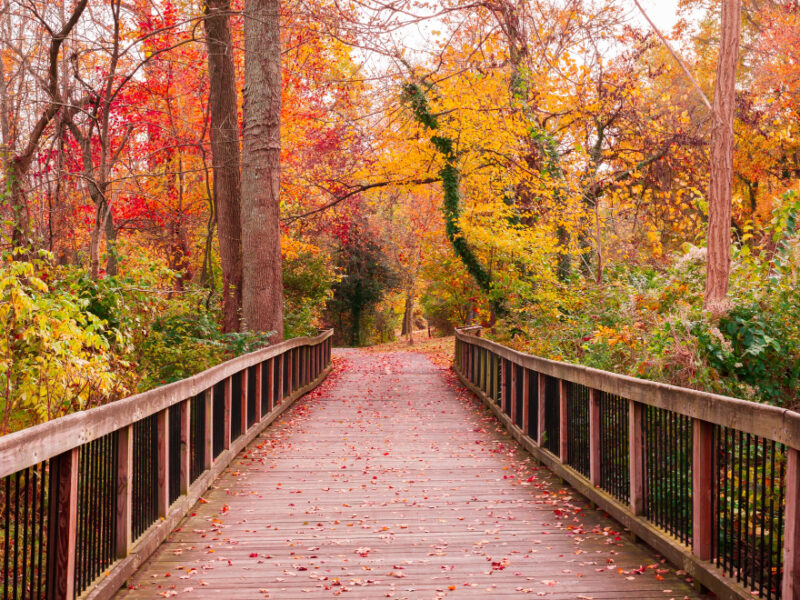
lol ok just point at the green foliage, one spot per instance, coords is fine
(366, 277)
(308, 280)
(55, 354)
(451, 203)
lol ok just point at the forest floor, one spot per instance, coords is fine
(390, 480)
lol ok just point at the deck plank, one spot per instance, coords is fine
(391, 481)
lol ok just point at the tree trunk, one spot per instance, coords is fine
(224, 134)
(408, 317)
(112, 264)
(721, 163)
(262, 292)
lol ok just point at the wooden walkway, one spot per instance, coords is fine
(391, 481)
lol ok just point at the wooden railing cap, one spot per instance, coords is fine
(30, 446)
(772, 422)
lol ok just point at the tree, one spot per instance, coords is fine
(224, 136)
(720, 187)
(17, 165)
(262, 296)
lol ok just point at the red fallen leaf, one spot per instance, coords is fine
(254, 555)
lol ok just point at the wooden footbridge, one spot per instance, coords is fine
(284, 474)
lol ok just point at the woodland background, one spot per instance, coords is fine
(541, 167)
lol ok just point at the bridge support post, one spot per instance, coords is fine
(541, 418)
(208, 437)
(563, 423)
(513, 407)
(526, 399)
(124, 490)
(594, 437)
(63, 525)
(162, 484)
(702, 485)
(227, 430)
(243, 399)
(280, 379)
(186, 425)
(790, 587)
(636, 456)
(270, 385)
(259, 375)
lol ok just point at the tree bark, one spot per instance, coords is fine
(262, 292)
(224, 136)
(721, 161)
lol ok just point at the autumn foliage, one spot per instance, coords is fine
(538, 167)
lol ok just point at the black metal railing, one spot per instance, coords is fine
(145, 474)
(578, 428)
(79, 493)
(667, 471)
(24, 516)
(749, 492)
(197, 436)
(96, 514)
(732, 498)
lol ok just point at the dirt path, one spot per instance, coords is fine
(391, 481)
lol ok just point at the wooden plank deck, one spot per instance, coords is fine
(391, 481)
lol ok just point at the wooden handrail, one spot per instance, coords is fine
(85, 482)
(30, 446)
(721, 466)
(775, 423)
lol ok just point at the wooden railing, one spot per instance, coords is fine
(86, 498)
(710, 482)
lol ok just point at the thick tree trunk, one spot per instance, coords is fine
(262, 298)
(721, 163)
(224, 136)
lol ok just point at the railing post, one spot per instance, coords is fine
(208, 437)
(279, 399)
(63, 525)
(485, 372)
(503, 385)
(162, 486)
(636, 456)
(259, 375)
(563, 437)
(594, 437)
(702, 484)
(297, 361)
(124, 490)
(526, 398)
(245, 377)
(513, 410)
(186, 434)
(227, 430)
(271, 384)
(541, 417)
(290, 372)
(790, 587)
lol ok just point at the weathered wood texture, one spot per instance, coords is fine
(390, 481)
